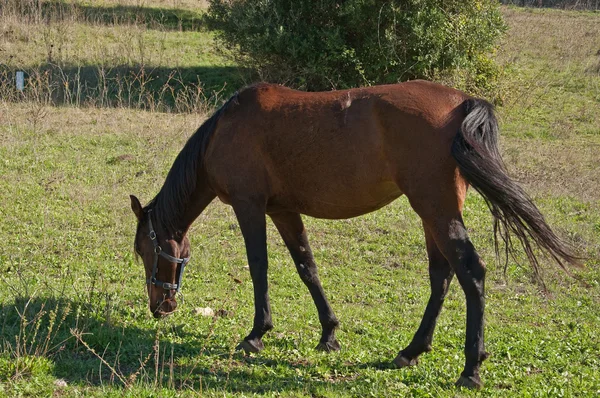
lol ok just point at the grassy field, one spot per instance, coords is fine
(74, 311)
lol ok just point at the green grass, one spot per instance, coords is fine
(67, 260)
(552, 77)
(65, 212)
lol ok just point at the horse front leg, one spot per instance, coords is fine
(291, 228)
(251, 218)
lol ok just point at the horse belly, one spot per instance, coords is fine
(338, 199)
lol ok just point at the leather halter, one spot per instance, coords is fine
(159, 252)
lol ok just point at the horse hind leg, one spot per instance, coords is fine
(292, 231)
(440, 208)
(440, 276)
(451, 237)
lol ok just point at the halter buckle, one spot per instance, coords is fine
(169, 286)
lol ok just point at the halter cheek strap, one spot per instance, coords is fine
(159, 252)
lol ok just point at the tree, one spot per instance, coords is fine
(324, 44)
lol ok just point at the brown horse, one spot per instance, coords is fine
(339, 154)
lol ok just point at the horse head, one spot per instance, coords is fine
(164, 255)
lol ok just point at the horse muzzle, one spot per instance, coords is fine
(163, 308)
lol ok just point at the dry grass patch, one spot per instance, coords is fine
(548, 90)
(556, 168)
(562, 39)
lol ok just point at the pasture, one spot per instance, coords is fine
(74, 309)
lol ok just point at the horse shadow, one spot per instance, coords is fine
(87, 348)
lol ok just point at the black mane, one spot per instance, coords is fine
(181, 180)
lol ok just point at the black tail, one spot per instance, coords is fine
(475, 149)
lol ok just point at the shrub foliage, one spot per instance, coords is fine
(327, 44)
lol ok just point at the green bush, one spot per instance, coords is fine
(323, 44)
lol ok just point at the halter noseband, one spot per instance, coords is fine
(159, 252)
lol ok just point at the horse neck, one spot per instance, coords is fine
(177, 215)
(200, 198)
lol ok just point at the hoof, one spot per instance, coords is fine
(402, 362)
(249, 346)
(328, 346)
(471, 382)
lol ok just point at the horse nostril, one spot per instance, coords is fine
(170, 305)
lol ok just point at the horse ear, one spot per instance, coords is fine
(136, 206)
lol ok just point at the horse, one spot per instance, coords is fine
(270, 150)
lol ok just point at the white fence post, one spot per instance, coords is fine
(20, 78)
